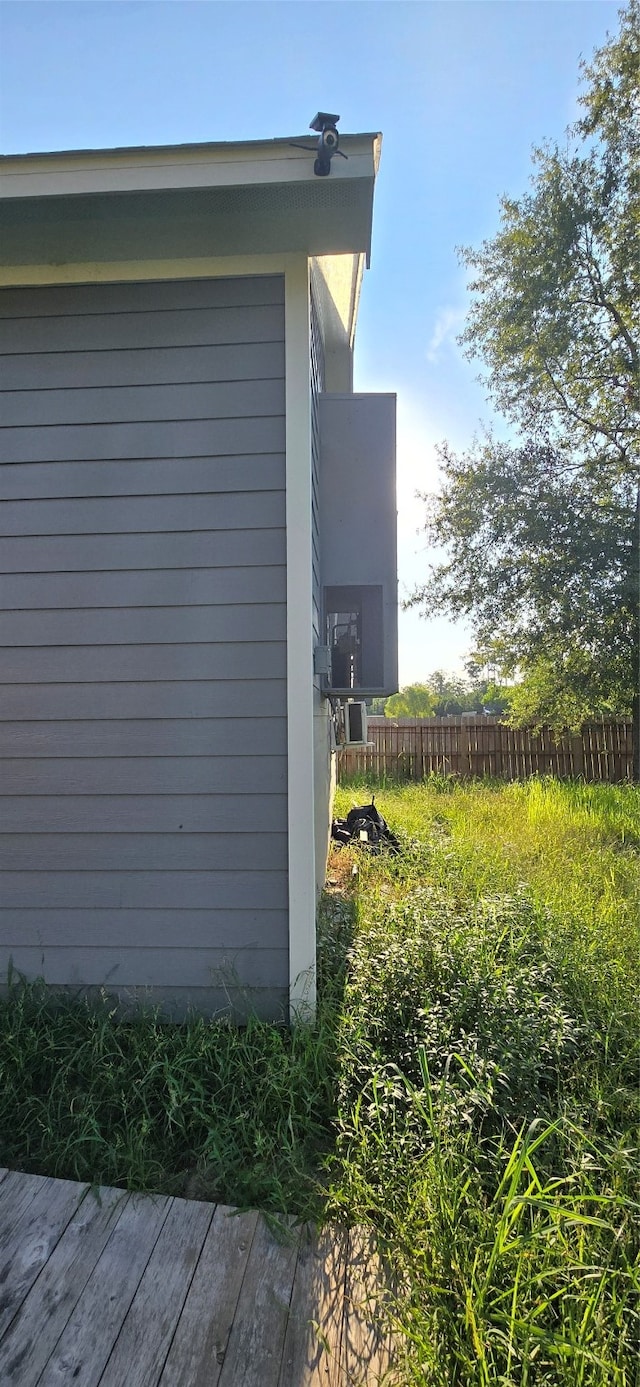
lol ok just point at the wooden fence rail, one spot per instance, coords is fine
(415, 747)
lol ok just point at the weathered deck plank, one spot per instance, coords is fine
(83, 1349)
(35, 1235)
(313, 1340)
(34, 1333)
(365, 1339)
(200, 1342)
(254, 1353)
(105, 1288)
(18, 1195)
(145, 1337)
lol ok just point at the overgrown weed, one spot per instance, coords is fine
(468, 1091)
(488, 1088)
(203, 1109)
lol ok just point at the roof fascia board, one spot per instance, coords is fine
(194, 148)
(215, 166)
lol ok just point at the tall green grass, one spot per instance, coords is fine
(488, 1106)
(469, 1089)
(203, 1109)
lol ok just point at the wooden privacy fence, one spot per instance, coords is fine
(416, 747)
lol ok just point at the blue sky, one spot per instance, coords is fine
(461, 89)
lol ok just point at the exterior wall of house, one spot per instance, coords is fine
(143, 698)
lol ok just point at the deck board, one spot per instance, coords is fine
(83, 1350)
(38, 1228)
(313, 1340)
(35, 1330)
(200, 1343)
(103, 1288)
(254, 1352)
(144, 1341)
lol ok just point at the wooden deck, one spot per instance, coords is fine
(98, 1286)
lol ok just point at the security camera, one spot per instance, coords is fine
(328, 142)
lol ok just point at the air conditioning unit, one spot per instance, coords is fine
(355, 724)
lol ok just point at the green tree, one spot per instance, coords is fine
(414, 701)
(542, 534)
(542, 555)
(491, 695)
(441, 694)
(555, 313)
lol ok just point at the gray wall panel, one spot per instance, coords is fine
(145, 852)
(194, 548)
(199, 587)
(149, 967)
(177, 891)
(143, 775)
(143, 675)
(39, 481)
(227, 698)
(147, 439)
(141, 366)
(136, 625)
(176, 1003)
(226, 400)
(358, 501)
(118, 515)
(142, 813)
(144, 928)
(97, 332)
(249, 660)
(150, 737)
(150, 295)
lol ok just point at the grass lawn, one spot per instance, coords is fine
(469, 1090)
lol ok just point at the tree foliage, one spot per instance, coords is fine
(446, 694)
(541, 535)
(555, 313)
(413, 701)
(544, 555)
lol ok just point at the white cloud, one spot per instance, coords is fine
(447, 325)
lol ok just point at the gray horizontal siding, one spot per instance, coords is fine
(164, 365)
(142, 775)
(147, 439)
(103, 553)
(192, 813)
(194, 294)
(150, 737)
(122, 514)
(138, 890)
(49, 480)
(199, 587)
(159, 967)
(227, 698)
(143, 702)
(177, 328)
(137, 625)
(145, 663)
(145, 852)
(240, 929)
(239, 1004)
(226, 400)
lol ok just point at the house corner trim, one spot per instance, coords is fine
(300, 747)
